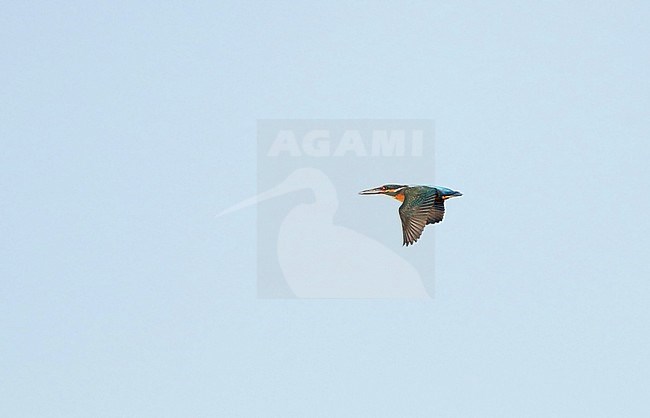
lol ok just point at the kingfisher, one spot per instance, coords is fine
(421, 206)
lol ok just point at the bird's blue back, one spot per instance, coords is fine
(445, 191)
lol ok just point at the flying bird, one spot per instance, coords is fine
(421, 206)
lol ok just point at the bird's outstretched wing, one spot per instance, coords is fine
(418, 211)
(437, 212)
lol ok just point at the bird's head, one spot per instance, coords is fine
(387, 189)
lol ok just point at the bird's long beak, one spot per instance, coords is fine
(376, 190)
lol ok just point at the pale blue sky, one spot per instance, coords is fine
(126, 126)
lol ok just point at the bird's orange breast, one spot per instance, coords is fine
(400, 197)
